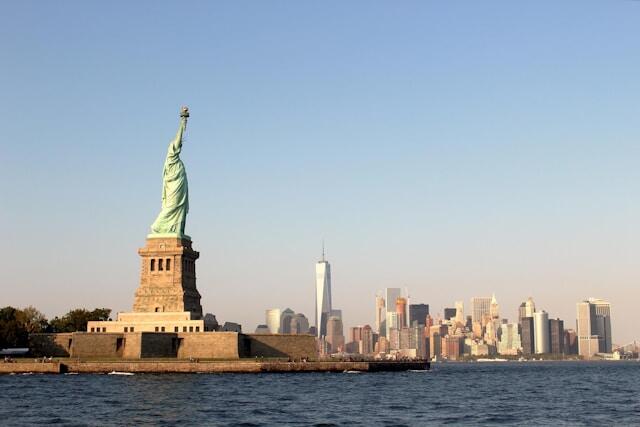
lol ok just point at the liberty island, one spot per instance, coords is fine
(167, 320)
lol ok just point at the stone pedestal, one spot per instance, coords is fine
(168, 277)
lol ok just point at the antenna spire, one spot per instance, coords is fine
(323, 250)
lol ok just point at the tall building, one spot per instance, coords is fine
(526, 309)
(381, 315)
(490, 334)
(335, 334)
(494, 308)
(527, 336)
(509, 343)
(417, 341)
(285, 320)
(355, 334)
(449, 313)
(570, 342)
(556, 336)
(393, 328)
(436, 333)
(480, 307)
(521, 313)
(405, 338)
(299, 324)
(603, 322)
(460, 312)
(273, 320)
(401, 309)
(594, 327)
(366, 341)
(391, 295)
(353, 339)
(541, 329)
(323, 295)
(418, 313)
(452, 346)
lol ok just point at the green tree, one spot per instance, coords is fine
(76, 320)
(12, 330)
(33, 320)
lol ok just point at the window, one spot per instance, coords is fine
(168, 264)
(157, 329)
(126, 329)
(131, 329)
(184, 329)
(190, 328)
(93, 329)
(153, 265)
(197, 328)
(175, 329)
(162, 329)
(160, 264)
(104, 329)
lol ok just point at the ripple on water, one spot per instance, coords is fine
(454, 394)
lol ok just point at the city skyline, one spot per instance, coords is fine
(457, 152)
(541, 334)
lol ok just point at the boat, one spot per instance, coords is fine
(120, 373)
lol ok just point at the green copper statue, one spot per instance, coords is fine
(175, 192)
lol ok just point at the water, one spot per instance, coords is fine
(542, 393)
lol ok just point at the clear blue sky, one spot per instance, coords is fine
(457, 148)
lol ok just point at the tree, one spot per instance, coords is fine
(76, 320)
(12, 331)
(33, 320)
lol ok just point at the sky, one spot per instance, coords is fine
(455, 148)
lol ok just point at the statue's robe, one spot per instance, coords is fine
(175, 192)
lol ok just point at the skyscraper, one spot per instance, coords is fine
(273, 320)
(460, 312)
(526, 309)
(366, 343)
(541, 329)
(401, 309)
(391, 295)
(335, 335)
(449, 313)
(381, 315)
(494, 308)
(323, 295)
(299, 324)
(570, 342)
(527, 336)
(594, 327)
(480, 307)
(418, 313)
(603, 322)
(556, 336)
(285, 320)
(509, 339)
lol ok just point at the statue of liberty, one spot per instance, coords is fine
(175, 191)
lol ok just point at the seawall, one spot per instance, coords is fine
(182, 366)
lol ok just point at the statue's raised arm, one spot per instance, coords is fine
(175, 193)
(176, 145)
